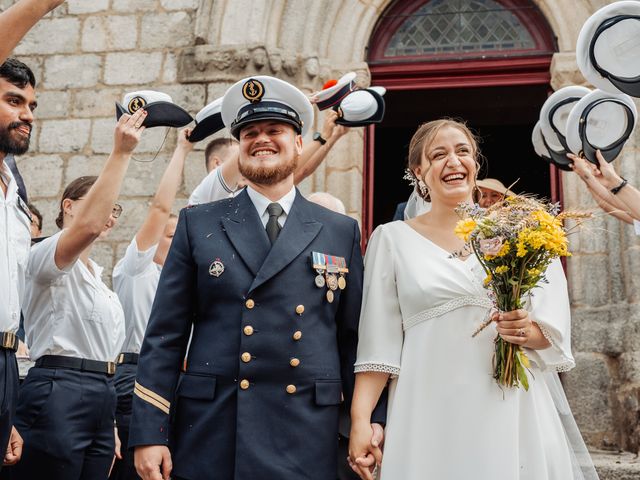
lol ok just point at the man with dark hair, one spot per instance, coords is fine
(17, 102)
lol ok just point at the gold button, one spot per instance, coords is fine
(294, 362)
(246, 357)
(244, 384)
(250, 304)
(300, 309)
(248, 330)
(291, 389)
(297, 335)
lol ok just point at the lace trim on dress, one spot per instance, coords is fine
(475, 301)
(377, 367)
(561, 367)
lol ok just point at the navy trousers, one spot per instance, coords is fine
(8, 395)
(124, 381)
(66, 418)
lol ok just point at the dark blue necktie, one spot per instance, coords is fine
(273, 227)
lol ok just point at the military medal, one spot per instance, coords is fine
(318, 262)
(332, 281)
(342, 281)
(330, 296)
(216, 268)
(332, 269)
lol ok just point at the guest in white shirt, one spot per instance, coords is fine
(75, 327)
(135, 279)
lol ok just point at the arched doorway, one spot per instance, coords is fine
(485, 61)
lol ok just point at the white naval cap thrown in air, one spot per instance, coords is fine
(540, 147)
(208, 121)
(334, 91)
(608, 48)
(161, 111)
(553, 121)
(362, 107)
(261, 98)
(601, 121)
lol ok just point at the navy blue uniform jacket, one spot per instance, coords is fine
(241, 410)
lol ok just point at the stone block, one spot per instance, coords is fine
(602, 329)
(81, 165)
(216, 90)
(64, 136)
(588, 271)
(194, 171)
(588, 391)
(616, 465)
(86, 6)
(38, 184)
(53, 104)
(49, 36)
(96, 103)
(142, 177)
(114, 32)
(72, 71)
(36, 64)
(134, 5)
(347, 186)
(166, 30)
(102, 134)
(135, 68)
(632, 264)
(179, 4)
(190, 97)
(170, 68)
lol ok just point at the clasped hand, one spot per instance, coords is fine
(365, 448)
(514, 326)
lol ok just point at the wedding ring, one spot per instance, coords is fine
(521, 332)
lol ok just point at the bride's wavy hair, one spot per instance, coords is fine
(425, 135)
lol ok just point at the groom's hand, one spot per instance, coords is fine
(153, 462)
(366, 463)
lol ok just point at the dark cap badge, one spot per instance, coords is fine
(253, 90)
(135, 104)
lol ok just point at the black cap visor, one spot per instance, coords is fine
(265, 111)
(337, 97)
(161, 114)
(210, 125)
(375, 118)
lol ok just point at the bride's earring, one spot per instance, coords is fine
(424, 190)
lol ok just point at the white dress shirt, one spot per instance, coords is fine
(15, 242)
(261, 203)
(213, 187)
(135, 280)
(70, 312)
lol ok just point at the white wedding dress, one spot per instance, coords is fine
(447, 418)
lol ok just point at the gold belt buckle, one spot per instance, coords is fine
(111, 368)
(121, 358)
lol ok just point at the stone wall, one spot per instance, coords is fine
(88, 53)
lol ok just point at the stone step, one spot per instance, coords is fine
(616, 465)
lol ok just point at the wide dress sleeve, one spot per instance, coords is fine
(550, 309)
(380, 330)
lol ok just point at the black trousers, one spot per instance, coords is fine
(66, 418)
(124, 381)
(8, 395)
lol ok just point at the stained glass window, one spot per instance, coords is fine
(449, 27)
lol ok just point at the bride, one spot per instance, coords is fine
(447, 418)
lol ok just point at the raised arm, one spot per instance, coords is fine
(314, 153)
(94, 211)
(18, 19)
(160, 208)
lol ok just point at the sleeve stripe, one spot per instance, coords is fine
(222, 181)
(143, 392)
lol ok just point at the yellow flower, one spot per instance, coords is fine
(504, 250)
(502, 269)
(464, 228)
(534, 272)
(487, 280)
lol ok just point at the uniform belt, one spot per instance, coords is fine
(128, 357)
(74, 363)
(10, 341)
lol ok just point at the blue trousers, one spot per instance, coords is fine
(8, 395)
(66, 418)
(124, 380)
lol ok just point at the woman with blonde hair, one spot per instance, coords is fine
(447, 418)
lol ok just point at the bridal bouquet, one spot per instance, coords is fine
(515, 241)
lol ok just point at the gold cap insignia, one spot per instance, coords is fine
(253, 90)
(135, 104)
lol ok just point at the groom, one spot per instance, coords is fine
(271, 285)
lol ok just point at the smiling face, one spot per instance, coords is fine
(16, 117)
(269, 152)
(489, 197)
(448, 165)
